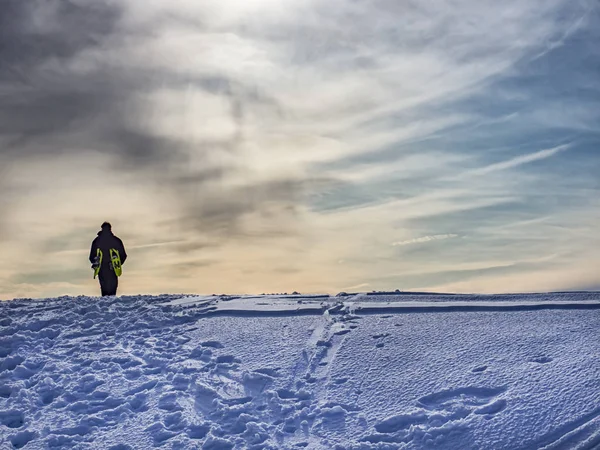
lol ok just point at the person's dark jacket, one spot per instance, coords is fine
(105, 241)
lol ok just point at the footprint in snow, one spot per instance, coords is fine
(12, 418)
(21, 439)
(322, 343)
(175, 422)
(88, 384)
(138, 403)
(479, 400)
(401, 422)
(5, 351)
(227, 359)
(120, 447)
(492, 408)
(212, 344)
(342, 332)
(5, 391)
(380, 336)
(438, 409)
(10, 363)
(541, 360)
(269, 372)
(168, 402)
(197, 431)
(132, 374)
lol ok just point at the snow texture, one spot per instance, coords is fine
(355, 371)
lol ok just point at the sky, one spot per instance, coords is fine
(310, 146)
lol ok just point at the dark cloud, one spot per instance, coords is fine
(42, 29)
(50, 106)
(74, 239)
(187, 269)
(222, 211)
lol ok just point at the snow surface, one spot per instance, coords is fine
(355, 371)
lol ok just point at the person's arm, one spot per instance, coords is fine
(93, 251)
(122, 252)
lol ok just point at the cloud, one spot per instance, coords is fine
(520, 160)
(357, 286)
(579, 276)
(241, 133)
(78, 95)
(420, 240)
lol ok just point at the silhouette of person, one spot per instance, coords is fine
(105, 241)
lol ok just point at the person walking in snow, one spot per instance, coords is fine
(107, 255)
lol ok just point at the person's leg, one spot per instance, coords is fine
(114, 284)
(111, 283)
(108, 282)
(103, 288)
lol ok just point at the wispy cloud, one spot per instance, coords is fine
(520, 160)
(420, 240)
(357, 286)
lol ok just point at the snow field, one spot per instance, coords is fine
(296, 372)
